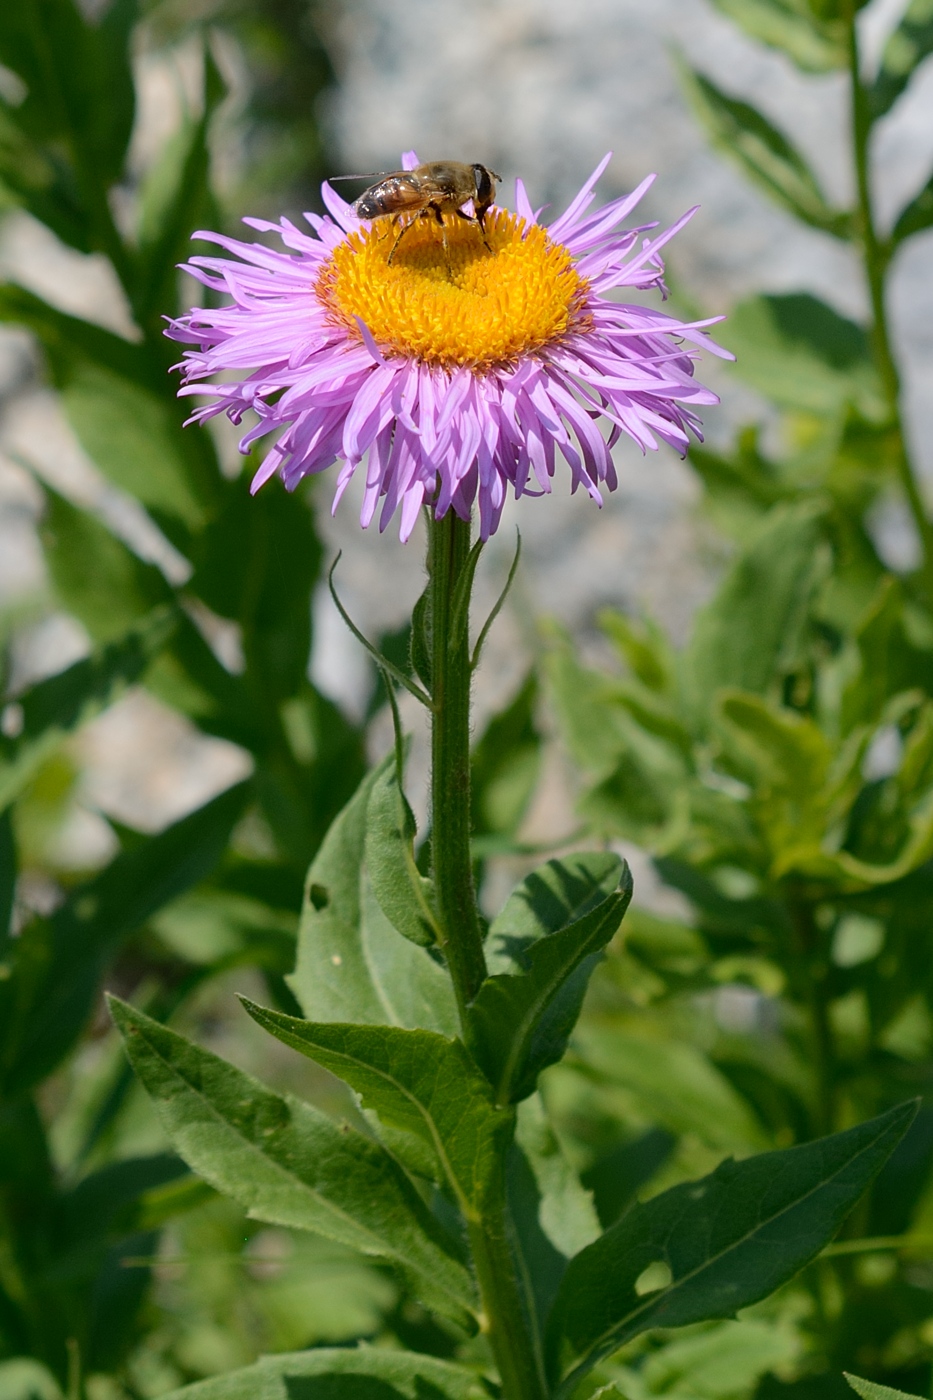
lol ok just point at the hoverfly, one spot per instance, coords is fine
(429, 191)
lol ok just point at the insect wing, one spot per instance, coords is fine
(396, 194)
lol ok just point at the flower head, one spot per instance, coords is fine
(457, 366)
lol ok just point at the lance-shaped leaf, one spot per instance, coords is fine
(288, 1163)
(69, 341)
(134, 436)
(175, 196)
(67, 62)
(816, 45)
(419, 1082)
(521, 1023)
(764, 154)
(549, 899)
(404, 895)
(552, 1214)
(723, 1243)
(871, 1390)
(910, 43)
(917, 216)
(56, 707)
(352, 964)
(352, 1373)
(120, 589)
(805, 357)
(55, 965)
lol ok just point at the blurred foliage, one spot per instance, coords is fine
(779, 770)
(86, 1185)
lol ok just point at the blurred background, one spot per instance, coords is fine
(538, 90)
(109, 514)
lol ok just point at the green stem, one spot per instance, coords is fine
(505, 1320)
(448, 548)
(521, 1366)
(876, 260)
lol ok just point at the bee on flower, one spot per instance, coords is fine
(457, 366)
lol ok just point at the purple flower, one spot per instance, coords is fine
(455, 374)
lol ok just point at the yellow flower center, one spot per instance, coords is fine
(469, 305)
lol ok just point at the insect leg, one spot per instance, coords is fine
(436, 210)
(401, 233)
(481, 220)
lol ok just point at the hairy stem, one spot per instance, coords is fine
(504, 1318)
(448, 548)
(876, 261)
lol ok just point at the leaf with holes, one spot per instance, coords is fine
(352, 963)
(713, 1246)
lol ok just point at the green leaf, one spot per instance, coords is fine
(345, 1373)
(916, 216)
(871, 1390)
(69, 341)
(132, 434)
(552, 1214)
(616, 1176)
(55, 965)
(910, 43)
(802, 792)
(175, 199)
(720, 1359)
(118, 591)
(551, 898)
(257, 563)
(25, 1378)
(765, 156)
(673, 1084)
(109, 1199)
(816, 45)
(521, 1022)
(630, 742)
(288, 1163)
(804, 356)
(56, 707)
(726, 1241)
(352, 964)
(644, 648)
(418, 1082)
(891, 661)
(421, 640)
(750, 629)
(404, 895)
(66, 64)
(37, 180)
